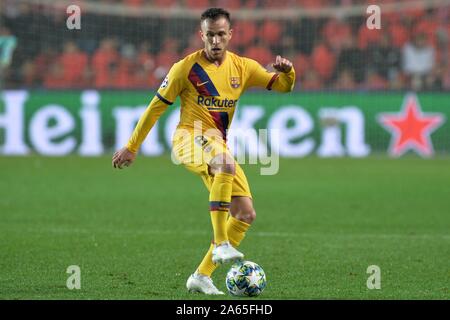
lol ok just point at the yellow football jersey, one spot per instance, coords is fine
(209, 93)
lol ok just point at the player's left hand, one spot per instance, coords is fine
(282, 64)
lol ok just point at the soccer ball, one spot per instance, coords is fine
(246, 278)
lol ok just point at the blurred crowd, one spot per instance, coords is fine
(410, 51)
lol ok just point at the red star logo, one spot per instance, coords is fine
(411, 129)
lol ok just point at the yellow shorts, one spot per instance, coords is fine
(195, 150)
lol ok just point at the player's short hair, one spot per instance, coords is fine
(214, 14)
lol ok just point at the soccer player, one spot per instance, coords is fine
(209, 83)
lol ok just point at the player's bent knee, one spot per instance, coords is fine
(251, 216)
(247, 216)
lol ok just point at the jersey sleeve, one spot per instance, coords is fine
(172, 85)
(258, 76)
(146, 122)
(284, 82)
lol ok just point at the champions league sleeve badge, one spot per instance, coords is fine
(165, 83)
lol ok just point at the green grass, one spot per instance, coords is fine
(138, 233)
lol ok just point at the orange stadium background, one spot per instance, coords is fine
(130, 44)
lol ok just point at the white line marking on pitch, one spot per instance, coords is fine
(262, 234)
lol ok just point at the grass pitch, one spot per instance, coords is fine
(138, 233)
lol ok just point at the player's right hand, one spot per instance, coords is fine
(123, 157)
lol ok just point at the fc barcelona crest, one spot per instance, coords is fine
(235, 82)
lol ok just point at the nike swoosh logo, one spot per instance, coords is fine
(200, 84)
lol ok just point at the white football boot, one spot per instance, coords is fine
(224, 253)
(203, 284)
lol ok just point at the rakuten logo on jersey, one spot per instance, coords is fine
(214, 102)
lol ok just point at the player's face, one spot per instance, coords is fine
(216, 35)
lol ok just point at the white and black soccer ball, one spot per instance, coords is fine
(246, 279)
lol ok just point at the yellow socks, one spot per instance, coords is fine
(225, 229)
(219, 202)
(207, 267)
(236, 230)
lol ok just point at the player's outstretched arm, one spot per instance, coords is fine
(286, 79)
(126, 155)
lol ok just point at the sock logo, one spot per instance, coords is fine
(219, 206)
